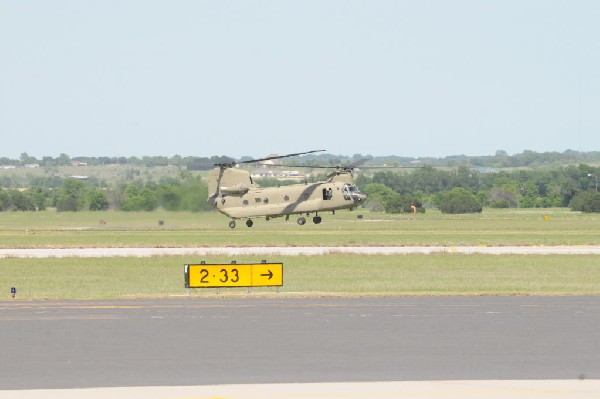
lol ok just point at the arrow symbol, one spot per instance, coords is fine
(270, 275)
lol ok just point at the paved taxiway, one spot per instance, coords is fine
(186, 341)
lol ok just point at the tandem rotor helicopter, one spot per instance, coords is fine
(233, 193)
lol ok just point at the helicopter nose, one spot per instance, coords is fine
(359, 198)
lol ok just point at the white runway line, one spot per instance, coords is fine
(293, 251)
(497, 389)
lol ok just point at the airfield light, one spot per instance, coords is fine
(13, 292)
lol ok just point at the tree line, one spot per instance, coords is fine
(185, 194)
(501, 159)
(460, 189)
(191, 162)
(464, 190)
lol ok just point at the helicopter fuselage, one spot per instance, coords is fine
(232, 192)
(293, 199)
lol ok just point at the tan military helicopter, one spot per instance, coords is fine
(233, 193)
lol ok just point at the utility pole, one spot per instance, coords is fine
(596, 177)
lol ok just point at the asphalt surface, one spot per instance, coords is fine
(191, 342)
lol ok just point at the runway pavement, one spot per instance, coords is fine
(216, 342)
(292, 251)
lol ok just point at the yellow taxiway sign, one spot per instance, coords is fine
(233, 275)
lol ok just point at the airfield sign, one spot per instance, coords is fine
(233, 275)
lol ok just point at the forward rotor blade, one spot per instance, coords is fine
(306, 166)
(345, 167)
(281, 156)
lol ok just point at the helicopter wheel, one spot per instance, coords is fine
(232, 224)
(301, 221)
(317, 219)
(249, 222)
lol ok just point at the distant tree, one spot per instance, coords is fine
(430, 180)
(389, 179)
(63, 160)
(176, 160)
(5, 200)
(49, 161)
(137, 197)
(71, 196)
(403, 204)
(21, 202)
(458, 200)
(97, 200)
(39, 196)
(379, 195)
(193, 193)
(586, 201)
(26, 159)
(505, 193)
(169, 197)
(15, 200)
(6, 182)
(386, 199)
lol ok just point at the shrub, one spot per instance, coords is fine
(586, 201)
(458, 200)
(97, 200)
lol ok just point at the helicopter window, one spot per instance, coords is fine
(346, 192)
(245, 202)
(258, 200)
(266, 200)
(286, 198)
(327, 193)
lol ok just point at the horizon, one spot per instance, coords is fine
(497, 153)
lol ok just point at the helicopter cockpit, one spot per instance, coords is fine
(351, 192)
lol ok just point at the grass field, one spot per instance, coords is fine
(440, 274)
(311, 276)
(180, 229)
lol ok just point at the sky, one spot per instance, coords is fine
(253, 78)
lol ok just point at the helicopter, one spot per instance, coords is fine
(233, 193)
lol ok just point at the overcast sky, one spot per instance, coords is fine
(409, 78)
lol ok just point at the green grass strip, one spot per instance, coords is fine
(344, 275)
(49, 229)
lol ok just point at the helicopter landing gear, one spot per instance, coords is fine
(301, 221)
(232, 224)
(249, 222)
(317, 219)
